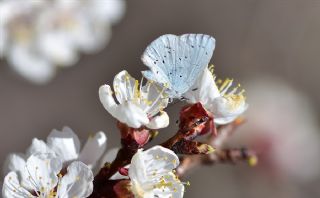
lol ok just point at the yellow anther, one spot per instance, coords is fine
(127, 77)
(253, 161)
(235, 101)
(91, 136)
(211, 69)
(242, 92)
(225, 84)
(136, 90)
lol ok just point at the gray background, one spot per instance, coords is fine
(254, 38)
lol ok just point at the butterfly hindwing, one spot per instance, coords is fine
(177, 61)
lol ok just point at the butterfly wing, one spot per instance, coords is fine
(177, 61)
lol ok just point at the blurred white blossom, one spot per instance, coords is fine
(37, 36)
(282, 127)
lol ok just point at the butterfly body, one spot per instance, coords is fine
(177, 61)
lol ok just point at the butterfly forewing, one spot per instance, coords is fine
(177, 61)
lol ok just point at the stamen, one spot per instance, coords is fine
(140, 88)
(32, 182)
(186, 183)
(69, 187)
(253, 161)
(225, 86)
(148, 109)
(16, 190)
(211, 69)
(219, 81)
(242, 92)
(235, 101)
(128, 87)
(136, 92)
(234, 90)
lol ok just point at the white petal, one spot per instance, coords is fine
(43, 169)
(156, 158)
(224, 120)
(153, 98)
(31, 66)
(131, 114)
(174, 190)
(12, 188)
(204, 89)
(57, 47)
(106, 98)
(88, 35)
(17, 163)
(93, 149)
(38, 146)
(164, 158)
(108, 11)
(151, 174)
(126, 112)
(78, 182)
(63, 4)
(138, 169)
(109, 156)
(65, 144)
(14, 162)
(4, 39)
(224, 111)
(123, 85)
(6, 13)
(159, 122)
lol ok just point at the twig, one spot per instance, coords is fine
(220, 155)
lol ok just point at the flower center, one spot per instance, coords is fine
(235, 96)
(235, 101)
(140, 95)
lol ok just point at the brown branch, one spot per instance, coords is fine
(220, 155)
(224, 132)
(188, 163)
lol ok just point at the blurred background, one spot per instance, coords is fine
(272, 47)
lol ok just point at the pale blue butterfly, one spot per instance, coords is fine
(177, 61)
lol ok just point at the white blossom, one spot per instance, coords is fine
(225, 105)
(152, 174)
(45, 180)
(138, 105)
(283, 127)
(64, 144)
(38, 36)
